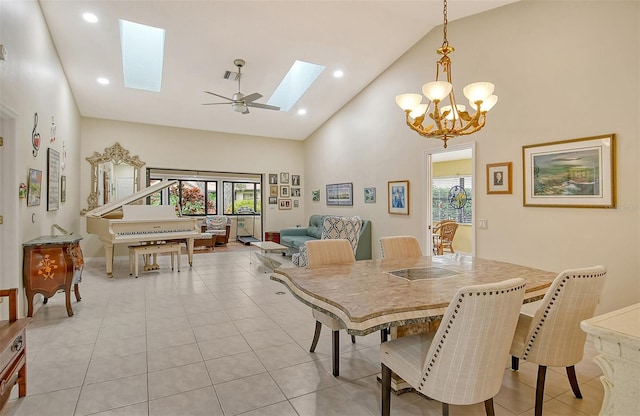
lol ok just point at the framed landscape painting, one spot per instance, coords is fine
(340, 194)
(577, 173)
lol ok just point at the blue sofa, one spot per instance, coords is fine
(293, 238)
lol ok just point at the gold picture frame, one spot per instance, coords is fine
(500, 178)
(398, 197)
(575, 173)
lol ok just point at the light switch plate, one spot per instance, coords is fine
(482, 224)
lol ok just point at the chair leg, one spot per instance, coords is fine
(316, 337)
(386, 390)
(384, 335)
(488, 407)
(515, 361)
(573, 380)
(445, 409)
(353, 339)
(542, 371)
(335, 354)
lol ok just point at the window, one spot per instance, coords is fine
(189, 195)
(444, 190)
(241, 198)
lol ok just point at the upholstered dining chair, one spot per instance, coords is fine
(334, 227)
(552, 336)
(443, 234)
(463, 361)
(325, 253)
(400, 247)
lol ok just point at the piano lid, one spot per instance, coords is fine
(112, 206)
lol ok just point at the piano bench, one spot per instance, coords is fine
(144, 250)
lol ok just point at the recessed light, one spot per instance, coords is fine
(302, 111)
(338, 74)
(103, 81)
(90, 17)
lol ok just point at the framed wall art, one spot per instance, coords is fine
(284, 177)
(273, 178)
(340, 194)
(398, 195)
(284, 204)
(576, 173)
(273, 190)
(53, 180)
(34, 187)
(63, 188)
(315, 195)
(285, 191)
(369, 195)
(296, 203)
(295, 192)
(499, 178)
(273, 200)
(295, 180)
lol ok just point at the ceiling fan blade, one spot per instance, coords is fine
(218, 95)
(215, 103)
(265, 106)
(251, 97)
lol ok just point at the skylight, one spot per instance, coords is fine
(142, 55)
(299, 78)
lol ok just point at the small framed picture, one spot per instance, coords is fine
(273, 179)
(34, 187)
(295, 192)
(273, 190)
(315, 195)
(284, 191)
(398, 197)
(273, 200)
(369, 195)
(296, 203)
(499, 178)
(295, 180)
(285, 204)
(284, 177)
(63, 188)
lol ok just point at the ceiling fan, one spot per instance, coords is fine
(240, 102)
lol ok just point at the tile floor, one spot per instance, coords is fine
(222, 339)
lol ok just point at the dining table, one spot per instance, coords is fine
(370, 295)
(400, 297)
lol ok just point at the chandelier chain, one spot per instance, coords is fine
(445, 41)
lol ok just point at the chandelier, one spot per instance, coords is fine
(453, 119)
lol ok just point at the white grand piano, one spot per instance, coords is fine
(120, 223)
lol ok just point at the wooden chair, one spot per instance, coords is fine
(552, 337)
(324, 253)
(463, 361)
(443, 234)
(400, 247)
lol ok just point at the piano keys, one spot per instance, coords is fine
(119, 222)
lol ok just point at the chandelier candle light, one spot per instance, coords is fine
(450, 120)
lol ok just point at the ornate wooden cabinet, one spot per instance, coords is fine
(52, 263)
(13, 350)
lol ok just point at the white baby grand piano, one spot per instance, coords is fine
(118, 222)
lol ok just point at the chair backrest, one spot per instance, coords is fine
(555, 338)
(347, 228)
(447, 230)
(329, 252)
(216, 222)
(400, 247)
(466, 360)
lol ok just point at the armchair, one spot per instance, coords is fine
(215, 230)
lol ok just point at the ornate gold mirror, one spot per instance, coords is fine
(114, 175)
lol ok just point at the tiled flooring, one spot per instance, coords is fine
(219, 339)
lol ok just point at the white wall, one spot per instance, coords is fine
(558, 77)
(175, 148)
(32, 80)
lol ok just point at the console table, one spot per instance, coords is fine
(616, 336)
(13, 350)
(52, 263)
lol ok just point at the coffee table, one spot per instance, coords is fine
(266, 247)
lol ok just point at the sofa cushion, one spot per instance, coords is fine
(295, 241)
(315, 226)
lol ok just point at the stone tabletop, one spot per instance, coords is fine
(368, 295)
